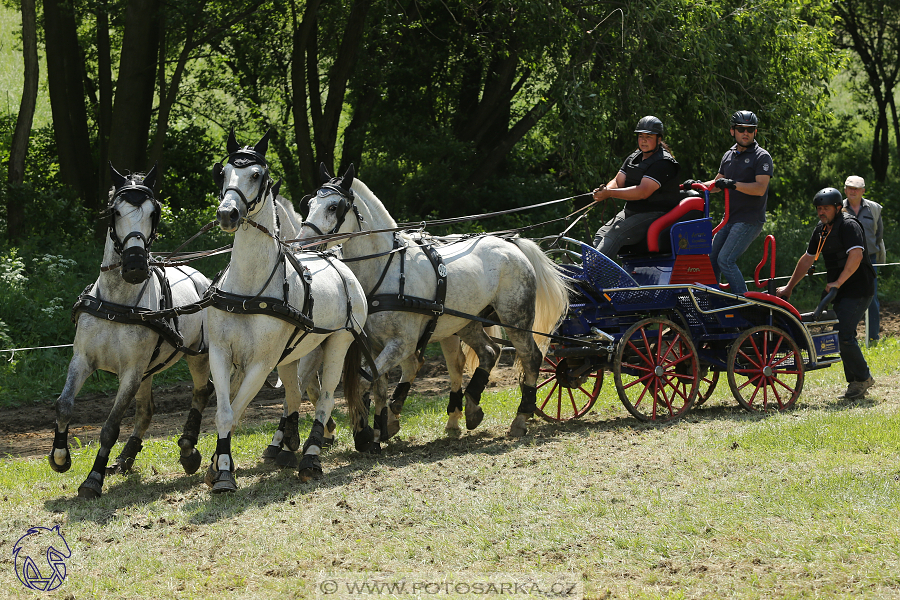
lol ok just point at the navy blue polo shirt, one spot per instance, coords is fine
(744, 167)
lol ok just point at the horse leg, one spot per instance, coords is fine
(190, 458)
(395, 352)
(456, 361)
(60, 458)
(129, 383)
(292, 375)
(488, 353)
(335, 350)
(528, 354)
(143, 414)
(313, 385)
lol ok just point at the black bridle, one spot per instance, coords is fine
(136, 200)
(345, 205)
(244, 157)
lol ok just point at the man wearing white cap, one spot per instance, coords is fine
(869, 215)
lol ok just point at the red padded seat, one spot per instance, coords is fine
(670, 218)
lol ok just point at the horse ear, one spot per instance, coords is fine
(324, 175)
(347, 179)
(232, 145)
(150, 178)
(263, 144)
(117, 178)
(276, 188)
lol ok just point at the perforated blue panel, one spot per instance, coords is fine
(602, 272)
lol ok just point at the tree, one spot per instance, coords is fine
(871, 29)
(65, 79)
(15, 214)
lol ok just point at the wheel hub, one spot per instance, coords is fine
(573, 372)
(659, 371)
(767, 371)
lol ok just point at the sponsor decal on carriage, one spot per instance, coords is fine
(40, 558)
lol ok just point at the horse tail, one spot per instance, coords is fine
(551, 294)
(356, 410)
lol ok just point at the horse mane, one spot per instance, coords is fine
(379, 212)
(294, 218)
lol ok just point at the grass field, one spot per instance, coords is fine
(723, 504)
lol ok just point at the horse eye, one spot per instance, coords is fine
(332, 208)
(256, 175)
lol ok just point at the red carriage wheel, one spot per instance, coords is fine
(568, 387)
(765, 369)
(656, 370)
(707, 386)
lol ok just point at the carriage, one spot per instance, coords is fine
(667, 331)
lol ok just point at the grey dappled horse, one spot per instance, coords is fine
(508, 277)
(111, 336)
(273, 308)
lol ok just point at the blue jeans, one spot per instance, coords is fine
(622, 231)
(875, 307)
(728, 245)
(849, 312)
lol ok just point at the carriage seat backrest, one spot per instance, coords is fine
(602, 272)
(660, 225)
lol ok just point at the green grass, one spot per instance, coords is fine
(12, 68)
(723, 504)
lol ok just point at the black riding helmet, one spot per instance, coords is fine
(649, 124)
(745, 118)
(828, 197)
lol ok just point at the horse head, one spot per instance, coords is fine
(243, 181)
(327, 209)
(134, 214)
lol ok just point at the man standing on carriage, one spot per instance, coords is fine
(647, 181)
(840, 240)
(745, 170)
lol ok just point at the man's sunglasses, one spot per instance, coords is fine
(741, 129)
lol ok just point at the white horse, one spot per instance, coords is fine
(111, 336)
(271, 309)
(478, 276)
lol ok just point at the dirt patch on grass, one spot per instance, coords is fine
(28, 431)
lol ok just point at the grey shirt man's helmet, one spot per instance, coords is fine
(649, 124)
(745, 118)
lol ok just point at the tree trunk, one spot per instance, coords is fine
(326, 132)
(64, 68)
(15, 213)
(135, 87)
(880, 147)
(302, 33)
(104, 75)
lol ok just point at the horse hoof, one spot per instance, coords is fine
(60, 468)
(518, 428)
(286, 460)
(191, 462)
(210, 476)
(310, 468)
(224, 483)
(90, 489)
(363, 439)
(453, 430)
(327, 442)
(474, 417)
(271, 453)
(393, 428)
